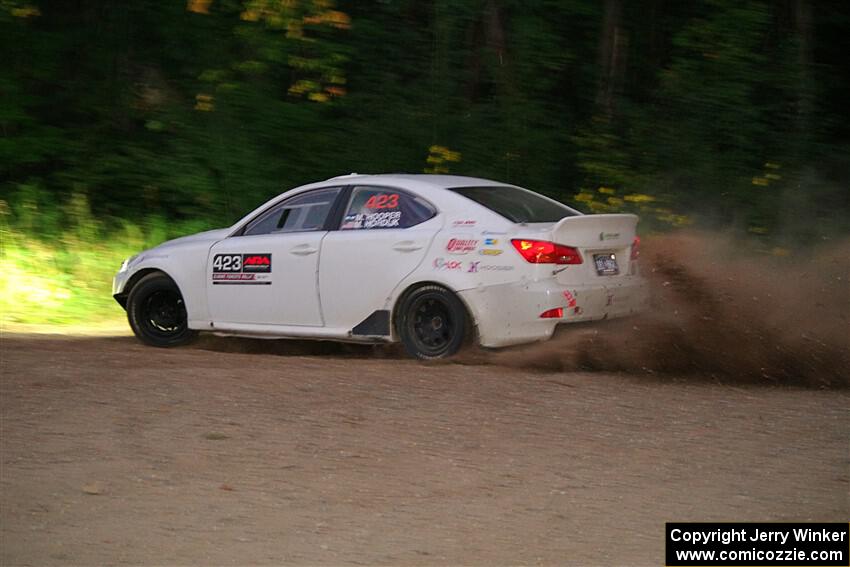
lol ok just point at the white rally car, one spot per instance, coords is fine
(428, 260)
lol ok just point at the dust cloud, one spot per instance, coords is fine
(720, 310)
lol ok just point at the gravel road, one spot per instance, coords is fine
(116, 453)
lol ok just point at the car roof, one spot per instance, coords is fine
(435, 180)
(433, 187)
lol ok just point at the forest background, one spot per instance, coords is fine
(123, 124)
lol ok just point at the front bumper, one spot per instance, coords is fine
(509, 314)
(119, 284)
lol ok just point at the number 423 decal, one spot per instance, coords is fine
(382, 201)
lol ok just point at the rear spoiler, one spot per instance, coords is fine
(596, 231)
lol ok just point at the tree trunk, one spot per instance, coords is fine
(613, 42)
(803, 29)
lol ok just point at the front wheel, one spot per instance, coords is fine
(157, 313)
(432, 323)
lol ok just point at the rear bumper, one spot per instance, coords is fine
(509, 314)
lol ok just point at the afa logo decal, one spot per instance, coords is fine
(257, 263)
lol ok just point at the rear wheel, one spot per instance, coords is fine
(157, 313)
(432, 322)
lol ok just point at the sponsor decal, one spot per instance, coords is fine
(443, 264)
(461, 245)
(608, 235)
(572, 301)
(355, 221)
(490, 251)
(475, 267)
(465, 222)
(252, 269)
(382, 201)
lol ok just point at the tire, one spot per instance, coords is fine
(432, 323)
(157, 313)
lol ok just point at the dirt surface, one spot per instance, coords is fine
(116, 453)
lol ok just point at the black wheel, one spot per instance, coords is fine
(157, 313)
(432, 322)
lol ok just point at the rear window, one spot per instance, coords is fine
(515, 204)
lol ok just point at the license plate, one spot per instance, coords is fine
(606, 264)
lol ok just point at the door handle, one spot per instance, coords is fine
(303, 250)
(407, 246)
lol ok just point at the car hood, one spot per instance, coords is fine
(207, 236)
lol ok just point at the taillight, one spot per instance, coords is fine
(635, 248)
(543, 252)
(556, 313)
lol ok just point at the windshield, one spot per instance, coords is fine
(516, 204)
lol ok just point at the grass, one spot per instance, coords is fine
(62, 278)
(64, 282)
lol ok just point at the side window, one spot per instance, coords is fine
(381, 207)
(299, 214)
